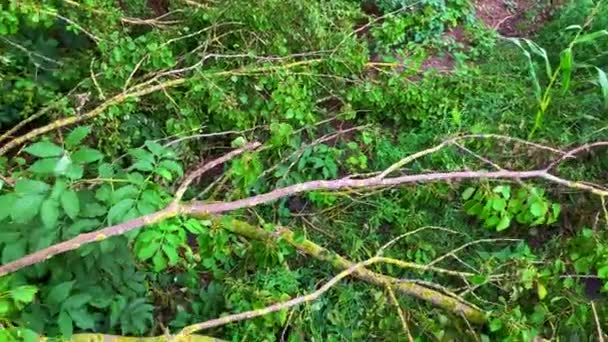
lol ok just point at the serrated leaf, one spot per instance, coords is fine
(44, 149)
(86, 155)
(106, 170)
(143, 165)
(127, 191)
(44, 166)
(74, 171)
(14, 251)
(166, 174)
(159, 262)
(70, 203)
(6, 205)
(119, 210)
(59, 293)
(49, 212)
(172, 166)
(26, 208)
(77, 135)
(156, 148)
(118, 305)
(76, 301)
(24, 294)
(82, 226)
(140, 154)
(171, 253)
(82, 318)
(29, 186)
(63, 165)
(147, 250)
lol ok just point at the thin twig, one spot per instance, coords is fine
(275, 307)
(454, 251)
(600, 334)
(395, 302)
(208, 166)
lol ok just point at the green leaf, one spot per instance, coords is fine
(70, 203)
(82, 318)
(566, 67)
(172, 166)
(499, 204)
(127, 191)
(541, 290)
(238, 142)
(76, 136)
(63, 165)
(6, 306)
(166, 174)
(159, 262)
(44, 166)
(504, 223)
(27, 207)
(505, 190)
(495, 325)
(64, 321)
(156, 148)
(14, 251)
(171, 253)
(585, 38)
(602, 272)
(76, 301)
(74, 171)
(147, 250)
(143, 165)
(106, 170)
(479, 279)
(538, 209)
(86, 155)
(82, 226)
(140, 154)
(44, 149)
(59, 293)
(49, 212)
(28, 186)
(119, 210)
(468, 193)
(7, 203)
(24, 294)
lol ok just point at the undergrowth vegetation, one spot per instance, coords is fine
(197, 131)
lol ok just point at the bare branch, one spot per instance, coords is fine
(575, 151)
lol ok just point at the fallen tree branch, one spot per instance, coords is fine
(469, 311)
(86, 337)
(202, 209)
(117, 99)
